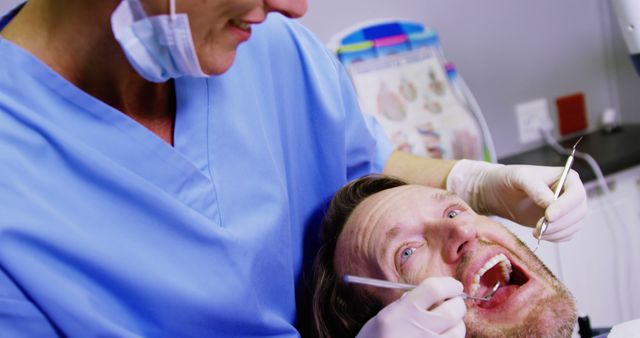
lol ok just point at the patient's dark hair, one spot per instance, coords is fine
(339, 310)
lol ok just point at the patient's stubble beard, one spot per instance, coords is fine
(552, 316)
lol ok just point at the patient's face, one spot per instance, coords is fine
(409, 233)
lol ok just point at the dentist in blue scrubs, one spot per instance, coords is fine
(164, 165)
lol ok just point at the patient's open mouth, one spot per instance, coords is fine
(497, 269)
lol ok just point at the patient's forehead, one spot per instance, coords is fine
(404, 199)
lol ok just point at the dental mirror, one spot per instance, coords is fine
(393, 285)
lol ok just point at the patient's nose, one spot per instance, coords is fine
(459, 236)
(290, 8)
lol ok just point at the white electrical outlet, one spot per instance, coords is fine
(532, 116)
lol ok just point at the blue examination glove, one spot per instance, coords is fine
(422, 312)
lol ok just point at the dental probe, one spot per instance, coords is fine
(393, 285)
(542, 223)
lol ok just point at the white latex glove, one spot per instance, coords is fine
(412, 316)
(522, 193)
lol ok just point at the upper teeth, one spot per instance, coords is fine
(505, 266)
(240, 24)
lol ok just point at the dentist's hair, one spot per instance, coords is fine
(339, 309)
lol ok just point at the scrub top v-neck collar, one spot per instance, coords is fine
(181, 170)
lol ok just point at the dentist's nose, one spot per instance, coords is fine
(290, 8)
(459, 237)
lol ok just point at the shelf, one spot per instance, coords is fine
(614, 152)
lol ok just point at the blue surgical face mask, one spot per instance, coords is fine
(158, 47)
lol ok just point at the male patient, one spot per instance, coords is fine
(383, 228)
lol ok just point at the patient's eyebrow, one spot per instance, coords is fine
(388, 238)
(444, 196)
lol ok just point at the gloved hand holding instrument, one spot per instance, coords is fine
(523, 194)
(432, 309)
(542, 225)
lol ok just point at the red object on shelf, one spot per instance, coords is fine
(572, 113)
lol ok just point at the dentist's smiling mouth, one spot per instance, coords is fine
(245, 26)
(497, 269)
(241, 29)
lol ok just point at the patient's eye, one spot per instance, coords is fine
(454, 211)
(406, 254)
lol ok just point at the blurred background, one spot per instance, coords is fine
(511, 52)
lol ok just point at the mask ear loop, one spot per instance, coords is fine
(172, 10)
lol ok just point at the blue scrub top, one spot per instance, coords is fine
(106, 230)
